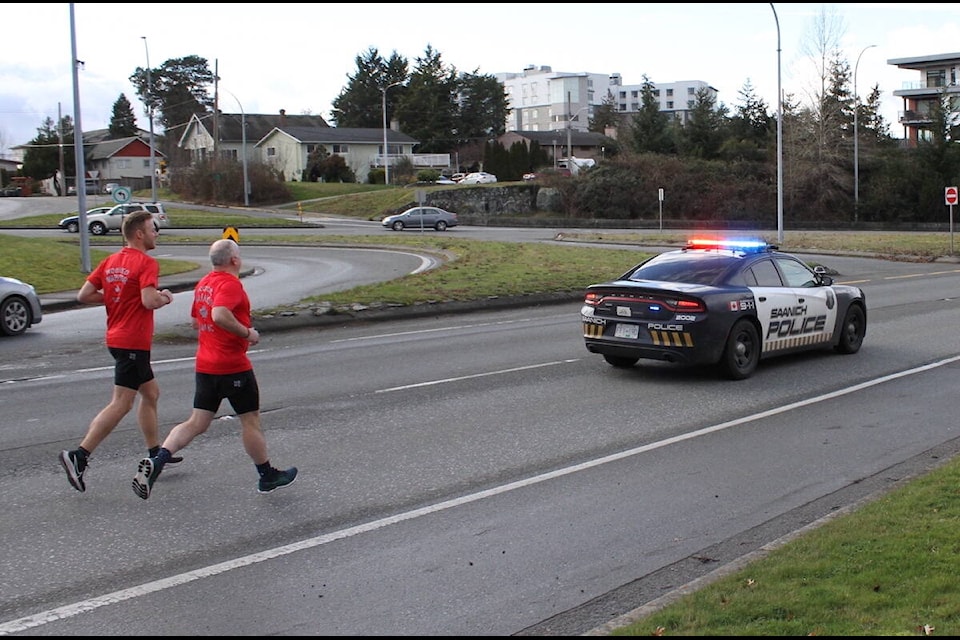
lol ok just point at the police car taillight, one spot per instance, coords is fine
(592, 298)
(690, 306)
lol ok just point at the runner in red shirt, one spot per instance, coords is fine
(126, 284)
(221, 316)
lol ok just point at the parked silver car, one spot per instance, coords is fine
(19, 306)
(479, 177)
(421, 218)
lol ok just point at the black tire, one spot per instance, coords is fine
(441, 225)
(741, 354)
(98, 228)
(397, 225)
(73, 227)
(852, 331)
(621, 362)
(15, 316)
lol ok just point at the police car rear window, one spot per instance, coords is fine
(701, 268)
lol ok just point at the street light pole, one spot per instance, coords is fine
(243, 150)
(856, 138)
(153, 162)
(779, 136)
(386, 155)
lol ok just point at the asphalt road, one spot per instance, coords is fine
(475, 474)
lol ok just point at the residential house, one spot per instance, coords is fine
(122, 160)
(206, 134)
(561, 143)
(288, 148)
(939, 77)
(10, 165)
(125, 161)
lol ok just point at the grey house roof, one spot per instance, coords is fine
(345, 135)
(258, 124)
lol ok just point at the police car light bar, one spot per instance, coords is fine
(730, 244)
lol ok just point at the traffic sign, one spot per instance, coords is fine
(950, 195)
(121, 195)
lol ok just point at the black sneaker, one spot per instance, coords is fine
(172, 460)
(147, 473)
(276, 479)
(74, 467)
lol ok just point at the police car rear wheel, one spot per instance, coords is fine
(852, 330)
(742, 351)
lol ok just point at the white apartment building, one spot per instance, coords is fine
(541, 99)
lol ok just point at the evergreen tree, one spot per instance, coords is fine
(750, 120)
(177, 90)
(42, 159)
(429, 107)
(483, 108)
(123, 122)
(605, 115)
(704, 133)
(650, 127)
(360, 102)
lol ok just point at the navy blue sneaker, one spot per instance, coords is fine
(276, 479)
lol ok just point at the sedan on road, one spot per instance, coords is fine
(421, 218)
(722, 303)
(19, 306)
(100, 222)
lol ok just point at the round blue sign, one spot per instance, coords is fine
(121, 195)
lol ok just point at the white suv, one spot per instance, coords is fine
(102, 223)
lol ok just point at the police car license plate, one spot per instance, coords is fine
(626, 330)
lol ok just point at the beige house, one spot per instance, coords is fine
(287, 149)
(207, 135)
(285, 142)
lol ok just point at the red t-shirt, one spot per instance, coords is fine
(220, 352)
(122, 276)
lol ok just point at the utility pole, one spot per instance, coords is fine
(153, 160)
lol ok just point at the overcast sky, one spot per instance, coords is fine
(298, 57)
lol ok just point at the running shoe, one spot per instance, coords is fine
(276, 479)
(74, 467)
(147, 473)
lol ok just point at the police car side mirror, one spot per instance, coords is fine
(825, 281)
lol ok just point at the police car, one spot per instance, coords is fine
(724, 303)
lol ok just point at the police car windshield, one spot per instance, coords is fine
(692, 268)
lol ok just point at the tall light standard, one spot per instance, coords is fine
(779, 136)
(153, 162)
(386, 155)
(243, 150)
(78, 152)
(856, 138)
